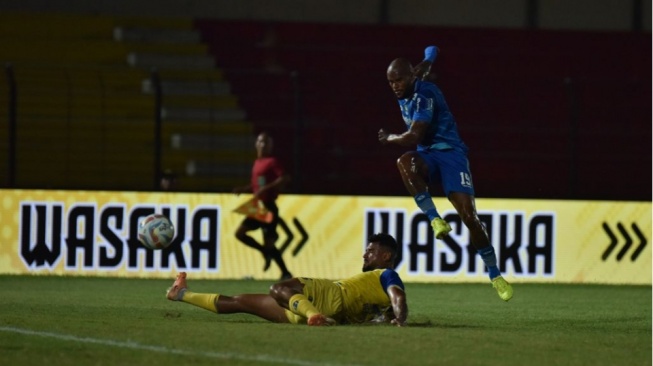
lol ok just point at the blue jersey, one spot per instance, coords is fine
(427, 104)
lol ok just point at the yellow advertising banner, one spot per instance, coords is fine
(93, 233)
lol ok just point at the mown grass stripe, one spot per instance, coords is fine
(161, 349)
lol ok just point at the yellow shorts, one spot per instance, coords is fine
(325, 295)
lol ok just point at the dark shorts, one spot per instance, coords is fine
(450, 168)
(269, 229)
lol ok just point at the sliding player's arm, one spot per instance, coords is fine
(399, 307)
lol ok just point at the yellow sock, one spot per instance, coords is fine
(204, 301)
(300, 305)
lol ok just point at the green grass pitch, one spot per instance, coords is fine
(111, 321)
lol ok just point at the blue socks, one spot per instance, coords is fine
(425, 203)
(490, 259)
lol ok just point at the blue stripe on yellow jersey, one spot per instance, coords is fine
(427, 104)
(365, 295)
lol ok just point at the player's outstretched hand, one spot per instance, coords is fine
(383, 136)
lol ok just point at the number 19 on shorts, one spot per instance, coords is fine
(465, 179)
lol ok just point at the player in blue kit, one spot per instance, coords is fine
(374, 296)
(440, 157)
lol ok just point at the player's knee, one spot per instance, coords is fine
(278, 293)
(403, 159)
(406, 160)
(399, 162)
(241, 233)
(281, 292)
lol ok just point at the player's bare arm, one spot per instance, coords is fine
(412, 137)
(275, 184)
(422, 69)
(399, 306)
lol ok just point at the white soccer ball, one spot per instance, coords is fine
(156, 231)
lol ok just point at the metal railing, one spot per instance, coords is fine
(12, 102)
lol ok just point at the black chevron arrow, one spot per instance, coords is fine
(290, 236)
(626, 246)
(304, 236)
(642, 244)
(613, 242)
(628, 243)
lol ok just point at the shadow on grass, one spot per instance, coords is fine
(426, 324)
(430, 324)
(419, 323)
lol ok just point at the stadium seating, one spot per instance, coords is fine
(86, 103)
(70, 114)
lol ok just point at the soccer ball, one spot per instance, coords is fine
(155, 231)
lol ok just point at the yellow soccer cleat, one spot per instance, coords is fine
(441, 228)
(504, 289)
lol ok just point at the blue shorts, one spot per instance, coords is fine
(449, 168)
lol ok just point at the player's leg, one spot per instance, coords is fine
(241, 234)
(458, 186)
(261, 305)
(465, 206)
(291, 294)
(275, 254)
(270, 237)
(416, 170)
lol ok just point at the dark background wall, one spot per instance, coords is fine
(603, 15)
(546, 113)
(552, 97)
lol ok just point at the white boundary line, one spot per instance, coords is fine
(161, 349)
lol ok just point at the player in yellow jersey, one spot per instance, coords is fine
(375, 295)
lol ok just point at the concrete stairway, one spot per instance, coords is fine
(86, 109)
(82, 121)
(207, 137)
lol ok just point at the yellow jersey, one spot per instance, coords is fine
(365, 295)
